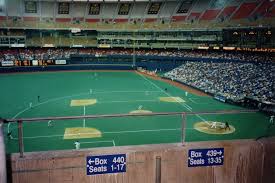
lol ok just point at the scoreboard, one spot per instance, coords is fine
(33, 62)
(24, 63)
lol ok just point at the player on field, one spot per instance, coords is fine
(214, 124)
(271, 120)
(30, 105)
(77, 145)
(186, 93)
(227, 126)
(38, 98)
(50, 123)
(10, 135)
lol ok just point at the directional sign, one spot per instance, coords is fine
(205, 157)
(115, 163)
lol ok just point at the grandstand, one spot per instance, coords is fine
(145, 91)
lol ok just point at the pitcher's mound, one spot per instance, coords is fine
(209, 128)
(171, 99)
(81, 133)
(140, 112)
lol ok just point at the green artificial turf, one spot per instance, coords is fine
(116, 93)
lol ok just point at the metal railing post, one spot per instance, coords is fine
(158, 169)
(20, 138)
(183, 131)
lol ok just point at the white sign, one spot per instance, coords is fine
(18, 45)
(7, 63)
(35, 62)
(60, 62)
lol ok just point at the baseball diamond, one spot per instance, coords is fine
(115, 93)
(137, 91)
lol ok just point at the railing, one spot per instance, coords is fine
(19, 121)
(183, 128)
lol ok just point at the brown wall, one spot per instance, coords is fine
(246, 161)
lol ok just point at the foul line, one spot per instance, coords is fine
(193, 101)
(184, 105)
(26, 109)
(41, 103)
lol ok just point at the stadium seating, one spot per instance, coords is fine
(245, 10)
(178, 13)
(230, 79)
(210, 14)
(63, 41)
(262, 9)
(270, 12)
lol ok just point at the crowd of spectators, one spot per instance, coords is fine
(234, 80)
(34, 54)
(57, 53)
(231, 79)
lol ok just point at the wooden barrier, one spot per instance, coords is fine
(245, 161)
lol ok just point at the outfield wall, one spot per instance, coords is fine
(67, 68)
(113, 62)
(245, 161)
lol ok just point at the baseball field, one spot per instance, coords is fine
(54, 94)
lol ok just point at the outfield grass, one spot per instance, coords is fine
(115, 92)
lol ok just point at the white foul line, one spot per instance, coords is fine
(184, 105)
(193, 101)
(41, 103)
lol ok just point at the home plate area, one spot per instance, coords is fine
(214, 127)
